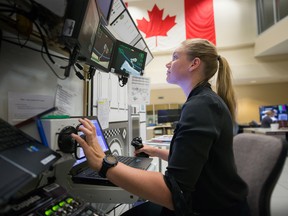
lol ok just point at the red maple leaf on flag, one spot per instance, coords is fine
(156, 26)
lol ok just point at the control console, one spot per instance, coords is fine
(50, 200)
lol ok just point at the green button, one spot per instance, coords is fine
(48, 212)
(62, 203)
(55, 208)
(69, 200)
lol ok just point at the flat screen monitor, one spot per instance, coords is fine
(168, 115)
(128, 60)
(283, 112)
(81, 17)
(101, 55)
(280, 110)
(104, 9)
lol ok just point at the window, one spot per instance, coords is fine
(283, 8)
(270, 12)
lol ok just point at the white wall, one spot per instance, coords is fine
(235, 22)
(24, 71)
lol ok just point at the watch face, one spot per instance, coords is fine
(111, 159)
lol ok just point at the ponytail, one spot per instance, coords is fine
(207, 52)
(224, 86)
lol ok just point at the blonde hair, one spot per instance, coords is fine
(207, 52)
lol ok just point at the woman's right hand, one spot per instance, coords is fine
(150, 150)
(90, 144)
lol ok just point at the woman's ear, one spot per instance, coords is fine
(195, 63)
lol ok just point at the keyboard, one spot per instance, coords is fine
(9, 137)
(123, 159)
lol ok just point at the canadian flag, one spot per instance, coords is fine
(166, 23)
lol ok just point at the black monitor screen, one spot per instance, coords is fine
(103, 48)
(128, 60)
(168, 115)
(104, 8)
(280, 110)
(81, 17)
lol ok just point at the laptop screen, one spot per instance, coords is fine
(101, 139)
(100, 135)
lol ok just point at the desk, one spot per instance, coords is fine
(281, 132)
(158, 131)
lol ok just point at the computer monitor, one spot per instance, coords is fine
(168, 115)
(280, 111)
(128, 60)
(104, 9)
(102, 51)
(80, 25)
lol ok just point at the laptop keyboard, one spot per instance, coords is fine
(123, 159)
(9, 137)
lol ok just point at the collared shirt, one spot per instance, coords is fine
(201, 155)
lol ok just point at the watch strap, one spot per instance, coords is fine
(106, 165)
(103, 170)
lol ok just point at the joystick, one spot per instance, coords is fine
(137, 143)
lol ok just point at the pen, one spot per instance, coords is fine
(41, 132)
(56, 117)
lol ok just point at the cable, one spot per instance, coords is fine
(72, 60)
(42, 52)
(32, 18)
(25, 14)
(78, 74)
(19, 41)
(91, 72)
(31, 48)
(52, 69)
(44, 42)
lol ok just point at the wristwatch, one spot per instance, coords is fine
(108, 162)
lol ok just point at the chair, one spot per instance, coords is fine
(259, 161)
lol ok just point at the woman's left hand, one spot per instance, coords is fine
(90, 145)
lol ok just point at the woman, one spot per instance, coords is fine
(201, 177)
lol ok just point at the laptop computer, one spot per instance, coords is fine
(81, 173)
(22, 159)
